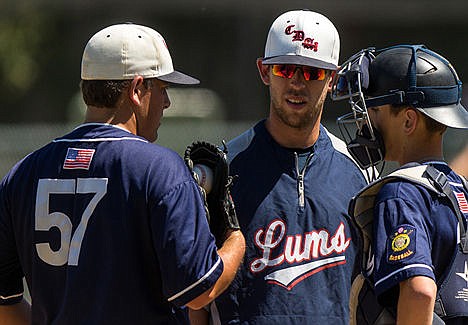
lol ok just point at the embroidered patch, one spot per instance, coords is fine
(401, 244)
(78, 158)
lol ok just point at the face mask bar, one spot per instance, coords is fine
(363, 142)
(367, 150)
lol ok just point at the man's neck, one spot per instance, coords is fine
(99, 115)
(112, 116)
(289, 137)
(424, 150)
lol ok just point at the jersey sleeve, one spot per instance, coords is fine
(402, 242)
(11, 274)
(190, 264)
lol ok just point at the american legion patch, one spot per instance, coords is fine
(401, 244)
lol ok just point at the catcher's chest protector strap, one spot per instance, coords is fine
(361, 210)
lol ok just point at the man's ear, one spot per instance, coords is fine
(330, 83)
(136, 90)
(264, 71)
(411, 120)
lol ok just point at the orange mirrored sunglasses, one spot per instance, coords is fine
(287, 71)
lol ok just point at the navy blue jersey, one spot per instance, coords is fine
(300, 246)
(415, 234)
(107, 229)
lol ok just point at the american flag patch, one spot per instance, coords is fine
(462, 203)
(78, 158)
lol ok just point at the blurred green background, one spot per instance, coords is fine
(41, 43)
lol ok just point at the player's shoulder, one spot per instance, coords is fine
(10, 175)
(411, 181)
(25, 164)
(147, 152)
(405, 190)
(132, 153)
(340, 154)
(338, 146)
(240, 143)
(153, 162)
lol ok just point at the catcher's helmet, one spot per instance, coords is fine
(427, 81)
(401, 74)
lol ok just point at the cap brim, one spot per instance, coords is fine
(299, 60)
(454, 116)
(180, 78)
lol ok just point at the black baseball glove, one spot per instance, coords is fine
(220, 206)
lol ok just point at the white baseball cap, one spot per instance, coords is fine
(303, 37)
(123, 51)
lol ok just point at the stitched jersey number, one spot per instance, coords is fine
(70, 246)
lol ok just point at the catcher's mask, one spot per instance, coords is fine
(400, 75)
